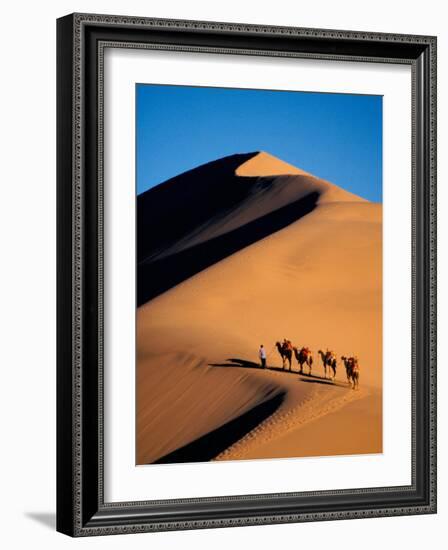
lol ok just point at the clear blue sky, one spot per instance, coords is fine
(337, 137)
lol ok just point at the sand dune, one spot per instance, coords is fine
(218, 210)
(286, 254)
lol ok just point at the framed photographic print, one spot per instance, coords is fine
(246, 274)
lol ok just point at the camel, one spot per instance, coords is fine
(304, 356)
(329, 360)
(352, 371)
(355, 376)
(348, 367)
(285, 352)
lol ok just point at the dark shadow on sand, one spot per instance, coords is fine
(325, 382)
(212, 444)
(243, 363)
(239, 363)
(303, 377)
(157, 276)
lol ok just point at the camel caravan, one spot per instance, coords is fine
(304, 356)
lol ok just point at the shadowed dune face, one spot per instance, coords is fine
(173, 209)
(262, 251)
(198, 218)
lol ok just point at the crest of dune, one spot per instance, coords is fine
(265, 164)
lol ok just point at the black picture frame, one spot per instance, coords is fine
(81, 509)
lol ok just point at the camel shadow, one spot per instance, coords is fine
(235, 362)
(323, 381)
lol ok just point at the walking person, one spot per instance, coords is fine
(262, 355)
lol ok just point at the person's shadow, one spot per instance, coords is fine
(243, 363)
(238, 363)
(48, 519)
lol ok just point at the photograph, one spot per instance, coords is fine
(246, 250)
(259, 286)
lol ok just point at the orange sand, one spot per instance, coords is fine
(317, 281)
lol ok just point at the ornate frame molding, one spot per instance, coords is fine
(81, 42)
